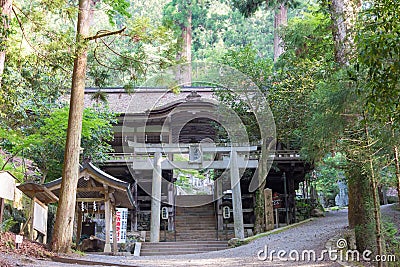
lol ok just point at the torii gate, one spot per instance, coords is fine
(238, 159)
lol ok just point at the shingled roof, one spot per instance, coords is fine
(144, 99)
(122, 191)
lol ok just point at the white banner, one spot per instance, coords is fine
(121, 222)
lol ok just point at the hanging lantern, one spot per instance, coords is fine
(94, 206)
(82, 206)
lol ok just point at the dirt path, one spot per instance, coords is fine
(310, 236)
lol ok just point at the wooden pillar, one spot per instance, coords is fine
(31, 231)
(171, 201)
(114, 227)
(156, 199)
(134, 212)
(1, 209)
(107, 217)
(236, 196)
(269, 210)
(79, 225)
(218, 196)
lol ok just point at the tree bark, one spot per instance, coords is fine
(362, 209)
(63, 228)
(397, 165)
(259, 210)
(375, 197)
(5, 8)
(280, 19)
(187, 51)
(184, 75)
(343, 15)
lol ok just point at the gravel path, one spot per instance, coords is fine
(309, 236)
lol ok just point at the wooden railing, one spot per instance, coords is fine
(279, 155)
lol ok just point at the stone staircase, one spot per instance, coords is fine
(193, 222)
(180, 248)
(195, 228)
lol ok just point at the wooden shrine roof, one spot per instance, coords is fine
(93, 184)
(39, 191)
(142, 100)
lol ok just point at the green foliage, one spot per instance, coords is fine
(19, 172)
(7, 224)
(305, 64)
(378, 38)
(46, 146)
(391, 236)
(248, 62)
(117, 8)
(249, 7)
(328, 173)
(12, 219)
(217, 27)
(127, 60)
(40, 50)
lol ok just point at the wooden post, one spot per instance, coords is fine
(107, 217)
(171, 201)
(1, 209)
(114, 227)
(286, 198)
(269, 211)
(156, 199)
(31, 232)
(236, 196)
(218, 196)
(134, 212)
(79, 226)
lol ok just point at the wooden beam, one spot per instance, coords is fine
(90, 199)
(91, 189)
(105, 182)
(184, 148)
(172, 165)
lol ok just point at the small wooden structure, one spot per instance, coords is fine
(94, 186)
(7, 189)
(41, 197)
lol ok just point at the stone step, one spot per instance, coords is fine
(183, 247)
(191, 229)
(193, 200)
(186, 243)
(194, 222)
(208, 211)
(198, 221)
(194, 216)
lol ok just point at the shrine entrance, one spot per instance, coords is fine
(156, 158)
(99, 200)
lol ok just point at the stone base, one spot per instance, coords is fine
(107, 248)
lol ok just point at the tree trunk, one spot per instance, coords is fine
(185, 72)
(343, 15)
(375, 197)
(280, 19)
(362, 208)
(397, 164)
(5, 8)
(63, 228)
(396, 157)
(259, 210)
(364, 211)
